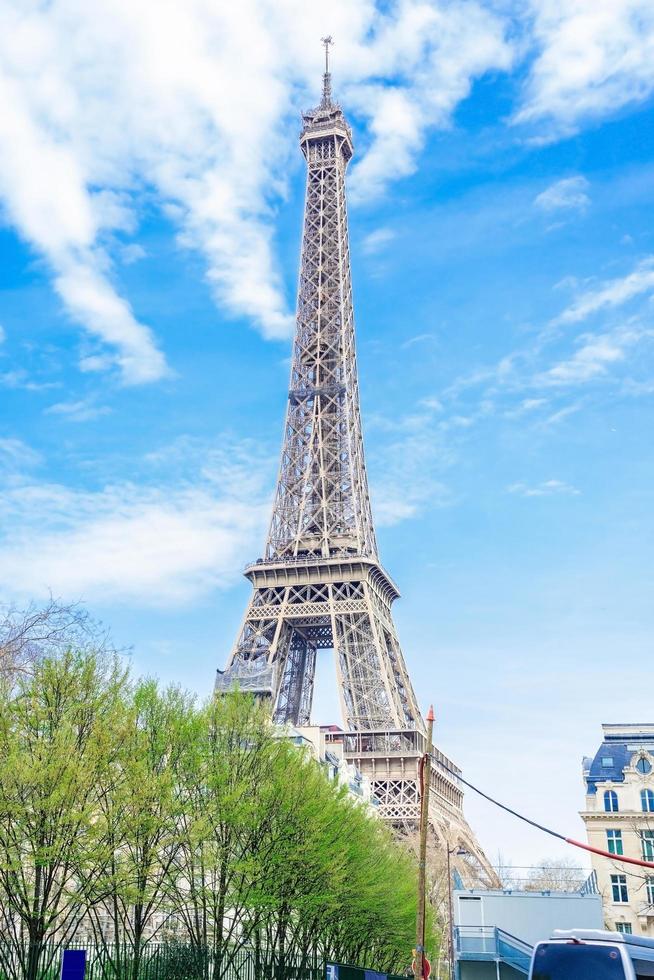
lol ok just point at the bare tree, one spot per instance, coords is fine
(559, 875)
(509, 875)
(641, 880)
(28, 635)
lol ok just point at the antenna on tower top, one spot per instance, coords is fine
(327, 78)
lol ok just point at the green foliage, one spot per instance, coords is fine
(57, 739)
(131, 813)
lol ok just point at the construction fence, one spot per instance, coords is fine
(175, 961)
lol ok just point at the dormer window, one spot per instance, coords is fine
(644, 766)
(607, 762)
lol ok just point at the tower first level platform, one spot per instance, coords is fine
(301, 605)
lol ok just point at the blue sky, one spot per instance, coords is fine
(151, 193)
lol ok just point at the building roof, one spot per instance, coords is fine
(616, 751)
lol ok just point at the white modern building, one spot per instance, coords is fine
(329, 754)
(496, 930)
(619, 818)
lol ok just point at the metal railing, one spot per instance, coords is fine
(162, 961)
(176, 960)
(409, 741)
(488, 943)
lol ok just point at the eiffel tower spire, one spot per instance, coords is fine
(326, 78)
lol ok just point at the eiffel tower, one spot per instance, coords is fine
(320, 584)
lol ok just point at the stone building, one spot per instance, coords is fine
(619, 818)
(330, 755)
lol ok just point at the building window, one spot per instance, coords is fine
(611, 801)
(647, 800)
(614, 841)
(644, 766)
(607, 762)
(650, 890)
(647, 840)
(619, 888)
(624, 927)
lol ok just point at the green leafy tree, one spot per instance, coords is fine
(56, 746)
(133, 809)
(232, 798)
(142, 812)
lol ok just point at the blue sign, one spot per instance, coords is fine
(73, 964)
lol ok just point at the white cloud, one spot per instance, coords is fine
(593, 57)
(20, 379)
(132, 253)
(408, 463)
(597, 353)
(431, 54)
(16, 454)
(377, 240)
(567, 194)
(91, 300)
(78, 411)
(44, 187)
(613, 293)
(526, 405)
(547, 488)
(562, 413)
(150, 544)
(198, 102)
(432, 403)
(419, 338)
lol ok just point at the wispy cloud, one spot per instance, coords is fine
(524, 407)
(63, 225)
(132, 253)
(597, 353)
(420, 338)
(377, 240)
(591, 60)
(78, 411)
(166, 542)
(613, 293)
(408, 464)
(17, 455)
(92, 301)
(430, 54)
(548, 488)
(562, 413)
(198, 103)
(571, 193)
(20, 379)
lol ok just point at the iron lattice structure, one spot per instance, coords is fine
(320, 583)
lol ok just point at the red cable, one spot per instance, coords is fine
(546, 830)
(614, 857)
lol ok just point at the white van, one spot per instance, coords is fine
(590, 954)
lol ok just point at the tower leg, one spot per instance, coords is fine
(296, 689)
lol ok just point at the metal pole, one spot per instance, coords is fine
(449, 905)
(425, 770)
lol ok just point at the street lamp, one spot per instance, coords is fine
(459, 852)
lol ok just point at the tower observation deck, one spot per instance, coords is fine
(320, 583)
